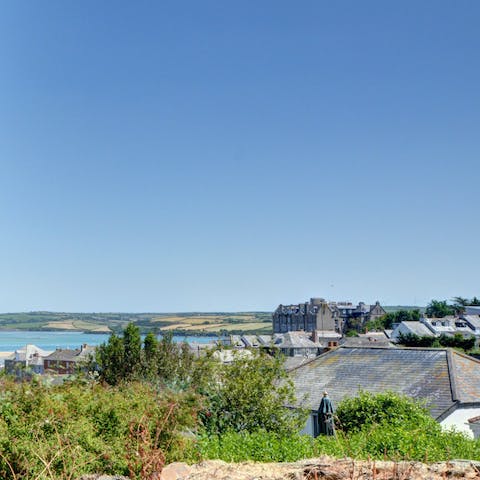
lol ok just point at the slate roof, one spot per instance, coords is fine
(441, 377)
(466, 371)
(64, 354)
(373, 339)
(250, 340)
(265, 340)
(294, 362)
(416, 328)
(473, 320)
(293, 340)
(236, 341)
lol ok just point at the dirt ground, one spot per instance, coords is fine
(323, 468)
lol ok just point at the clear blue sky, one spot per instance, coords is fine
(233, 155)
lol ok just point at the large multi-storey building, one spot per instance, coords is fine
(318, 314)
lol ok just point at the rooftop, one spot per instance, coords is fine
(441, 377)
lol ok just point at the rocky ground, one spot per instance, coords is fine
(315, 469)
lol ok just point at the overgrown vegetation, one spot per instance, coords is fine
(152, 402)
(383, 426)
(64, 431)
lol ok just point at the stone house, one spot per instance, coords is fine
(320, 315)
(355, 317)
(448, 381)
(314, 315)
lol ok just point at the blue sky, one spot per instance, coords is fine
(207, 156)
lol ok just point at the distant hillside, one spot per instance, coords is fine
(194, 322)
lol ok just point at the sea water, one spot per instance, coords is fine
(11, 340)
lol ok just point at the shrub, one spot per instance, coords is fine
(65, 431)
(368, 409)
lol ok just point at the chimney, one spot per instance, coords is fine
(315, 336)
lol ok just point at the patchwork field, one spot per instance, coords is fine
(214, 323)
(76, 325)
(193, 323)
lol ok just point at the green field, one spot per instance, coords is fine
(192, 323)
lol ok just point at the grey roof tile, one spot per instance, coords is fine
(64, 354)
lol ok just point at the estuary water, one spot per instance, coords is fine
(12, 340)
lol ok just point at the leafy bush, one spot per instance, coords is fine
(393, 426)
(68, 430)
(368, 409)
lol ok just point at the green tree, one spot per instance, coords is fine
(175, 361)
(459, 304)
(150, 355)
(132, 345)
(387, 320)
(251, 394)
(110, 360)
(439, 309)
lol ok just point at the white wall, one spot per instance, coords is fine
(459, 419)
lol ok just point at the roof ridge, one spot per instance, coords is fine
(451, 375)
(435, 349)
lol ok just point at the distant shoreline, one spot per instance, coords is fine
(51, 330)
